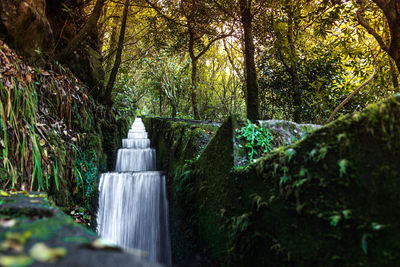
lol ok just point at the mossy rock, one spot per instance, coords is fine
(329, 200)
(178, 144)
(35, 221)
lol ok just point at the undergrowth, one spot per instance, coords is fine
(44, 115)
(23, 155)
(256, 140)
(86, 173)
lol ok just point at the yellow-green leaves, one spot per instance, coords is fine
(15, 260)
(15, 241)
(43, 253)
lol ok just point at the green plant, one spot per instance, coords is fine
(85, 171)
(256, 138)
(343, 163)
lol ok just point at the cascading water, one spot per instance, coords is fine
(133, 207)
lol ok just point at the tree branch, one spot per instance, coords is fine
(126, 43)
(369, 29)
(114, 71)
(82, 34)
(355, 91)
(210, 44)
(157, 9)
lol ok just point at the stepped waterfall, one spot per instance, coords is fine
(133, 207)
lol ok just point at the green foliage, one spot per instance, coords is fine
(320, 81)
(334, 219)
(343, 164)
(86, 173)
(23, 149)
(290, 153)
(256, 138)
(285, 178)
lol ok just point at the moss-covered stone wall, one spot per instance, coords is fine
(331, 199)
(178, 144)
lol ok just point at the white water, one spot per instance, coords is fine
(133, 207)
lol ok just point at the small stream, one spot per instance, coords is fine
(133, 206)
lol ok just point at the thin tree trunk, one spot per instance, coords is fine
(86, 29)
(194, 90)
(173, 112)
(293, 70)
(344, 102)
(194, 61)
(107, 99)
(102, 30)
(296, 94)
(252, 97)
(112, 44)
(393, 72)
(160, 104)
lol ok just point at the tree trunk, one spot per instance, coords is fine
(173, 112)
(194, 61)
(194, 90)
(393, 73)
(296, 94)
(293, 70)
(112, 44)
(82, 34)
(161, 100)
(107, 99)
(392, 13)
(252, 97)
(391, 10)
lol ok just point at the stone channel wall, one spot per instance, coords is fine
(331, 199)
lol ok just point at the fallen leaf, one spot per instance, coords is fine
(45, 73)
(3, 193)
(15, 261)
(7, 223)
(15, 241)
(37, 195)
(42, 142)
(11, 245)
(28, 77)
(103, 244)
(43, 253)
(8, 73)
(20, 238)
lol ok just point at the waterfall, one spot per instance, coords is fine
(133, 207)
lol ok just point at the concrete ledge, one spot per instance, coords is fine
(28, 216)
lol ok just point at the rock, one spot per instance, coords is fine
(287, 132)
(39, 29)
(24, 25)
(40, 226)
(331, 199)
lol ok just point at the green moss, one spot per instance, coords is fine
(328, 200)
(179, 144)
(213, 168)
(306, 216)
